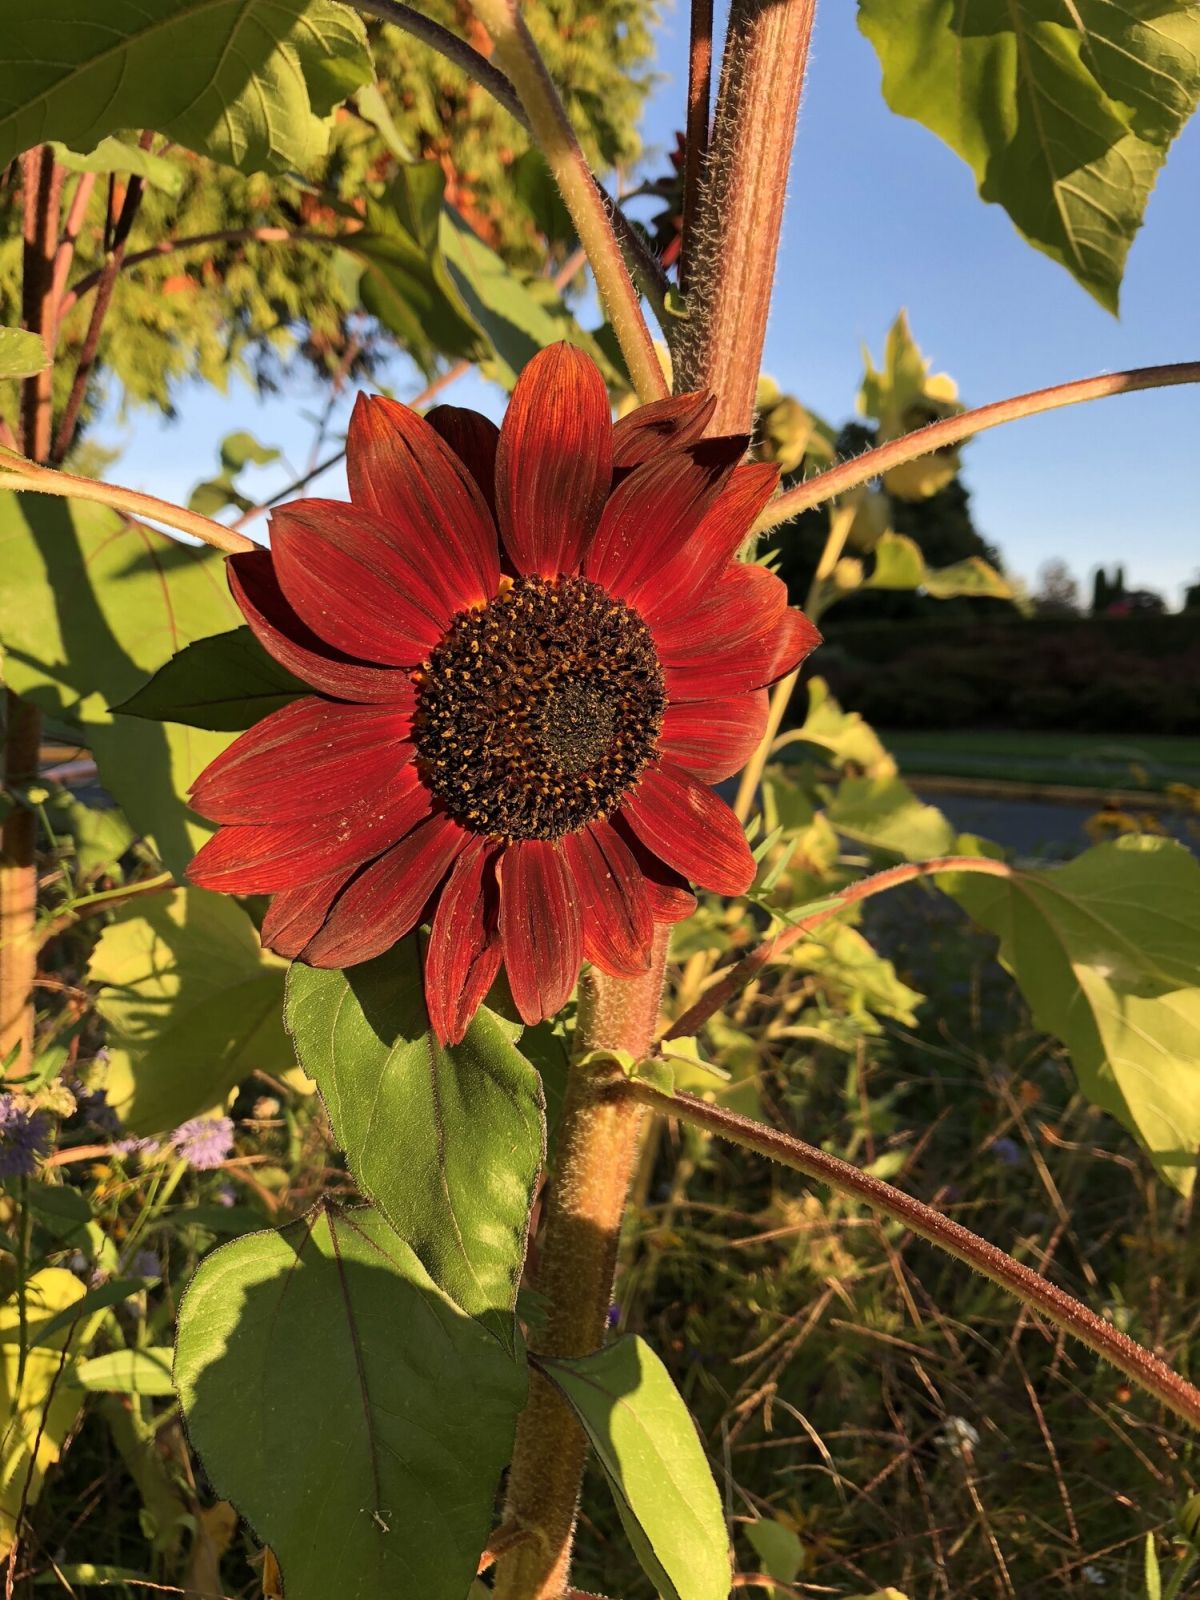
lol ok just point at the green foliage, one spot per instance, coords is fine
(90, 604)
(901, 397)
(647, 1446)
(469, 1119)
(1107, 953)
(352, 1412)
(21, 354)
(192, 1005)
(884, 812)
(1064, 118)
(250, 84)
(115, 155)
(225, 682)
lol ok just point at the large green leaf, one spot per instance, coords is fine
(886, 813)
(90, 604)
(348, 1408)
(248, 82)
(900, 564)
(226, 682)
(1107, 953)
(115, 155)
(447, 1142)
(21, 354)
(1064, 113)
(647, 1445)
(192, 1004)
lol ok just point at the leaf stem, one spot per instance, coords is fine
(952, 430)
(1063, 1310)
(552, 131)
(699, 104)
(26, 477)
(577, 1253)
(742, 972)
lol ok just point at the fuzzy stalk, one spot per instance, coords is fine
(594, 1158)
(1142, 1366)
(521, 60)
(736, 237)
(42, 197)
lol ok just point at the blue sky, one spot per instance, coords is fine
(881, 216)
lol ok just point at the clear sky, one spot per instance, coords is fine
(881, 216)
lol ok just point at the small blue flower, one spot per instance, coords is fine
(1007, 1150)
(204, 1142)
(24, 1138)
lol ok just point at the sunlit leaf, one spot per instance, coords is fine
(647, 1445)
(351, 1411)
(778, 1547)
(1064, 114)
(21, 354)
(248, 82)
(89, 606)
(144, 1371)
(447, 1141)
(884, 812)
(115, 155)
(226, 682)
(192, 1005)
(1107, 952)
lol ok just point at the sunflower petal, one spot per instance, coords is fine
(712, 739)
(473, 438)
(400, 467)
(540, 927)
(293, 644)
(385, 901)
(661, 425)
(302, 760)
(618, 924)
(719, 535)
(690, 829)
(554, 464)
(463, 956)
(294, 915)
(670, 898)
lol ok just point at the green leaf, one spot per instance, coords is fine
(656, 1468)
(406, 282)
(778, 1547)
(1064, 115)
(192, 1005)
(145, 1372)
(884, 812)
(1106, 951)
(114, 155)
(247, 82)
(226, 682)
(104, 1295)
(899, 564)
(89, 606)
(21, 354)
(447, 1142)
(351, 1411)
(242, 449)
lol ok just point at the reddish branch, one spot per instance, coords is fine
(700, 52)
(738, 976)
(1063, 1310)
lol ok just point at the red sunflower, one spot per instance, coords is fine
(531, 651)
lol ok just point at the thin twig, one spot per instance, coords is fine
(741, 973)
(1063, 1310)
(554, 135)
(952, 430)
(76, 217)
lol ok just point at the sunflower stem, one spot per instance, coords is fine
(735, 238)
(1038, 1293)
(577, 1252)
(521, 60)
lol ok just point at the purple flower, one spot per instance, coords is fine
(24, 1138)
(92, 1105)
(145, 1264)
(1007, 1150)
(204, 1142)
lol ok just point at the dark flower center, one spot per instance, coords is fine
(537, 713)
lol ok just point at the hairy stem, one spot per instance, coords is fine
(952, 430)
(736, 237)
(735, 978)
(597, 1144)
(26, 477)
(548, 123)
(699, 98)
(42, 194)
(1038, 1293)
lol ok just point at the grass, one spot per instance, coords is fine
(1084, 760)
